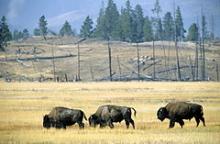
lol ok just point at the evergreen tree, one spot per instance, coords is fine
(148, 32)
(66, 29)
(126, 22)
(25, 34)
(86, 29)
(157, 24)
(139, 24)
(43, 26)
(193, 33)
(179, 25)
(36, 32)
(204, 28)
(168, 25)
(99, 31)
(159, 30)
(16, 35)
(5, 34)
(112, 20)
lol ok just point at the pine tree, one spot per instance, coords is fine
(36, 32)
(126, 22)
(139, 23)
(66, 29)
(193, 33)
(148, 31)
(16, 35)
(179, 25)
(204, 28)
(159, 30)
(43, 26)
(25, 34)
(5, 34)
(157, 24)
(168, 25)
(112, 20)
(99, 30)
(87, 28)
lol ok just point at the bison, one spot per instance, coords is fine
(107, 114)
(178, 111)
(60, 117)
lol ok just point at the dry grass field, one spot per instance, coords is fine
(22, 106)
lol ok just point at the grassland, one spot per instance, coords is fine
(22, 106)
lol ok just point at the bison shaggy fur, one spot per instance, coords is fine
(106, 115)
(178, 111)
(60, 117)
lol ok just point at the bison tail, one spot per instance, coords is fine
(84, 116)
(135, 112)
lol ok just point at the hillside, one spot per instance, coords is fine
(32, 60)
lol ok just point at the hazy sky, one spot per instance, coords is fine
(25, 13)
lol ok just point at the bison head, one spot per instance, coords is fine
(162, 113)
(93, 120)
(46, 122)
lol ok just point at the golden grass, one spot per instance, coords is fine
(22, 106)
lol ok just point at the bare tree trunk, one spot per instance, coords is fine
(177, 61)
(217, 73)
(91, 72)
(66, 77)
(197, 63)
(79, 78)
(138, 62)
(176, 47)
(154, 67)
(54, 67)
(203, 60)
(119, 67)
(165, 57)
(192, 68)
(110, 61)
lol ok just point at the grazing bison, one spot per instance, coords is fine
(60, 117)
(107, 114)
(178, 111)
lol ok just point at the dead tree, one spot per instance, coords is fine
(119, 67)
(154, 67)
(176, 47)
(138, 62)
(78, 62)
(54, 67)
(217, 73)
(110, 60)
(196, 62)
(203, 48)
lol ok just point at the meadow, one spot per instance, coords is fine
(23, 105)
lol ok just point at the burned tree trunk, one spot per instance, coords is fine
(110, 61)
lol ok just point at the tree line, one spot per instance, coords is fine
(128, 25)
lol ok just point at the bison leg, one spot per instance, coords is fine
(203, 120)
(181, 122)
(172, 124)
(81, 125)
(197, 121)
(132, 123)
(110, 124)
(127, 124)
(59, 125)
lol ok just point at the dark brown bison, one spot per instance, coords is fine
(107, 114)
(60, 117)
(178, 111)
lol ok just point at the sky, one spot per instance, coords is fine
(26, 13)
